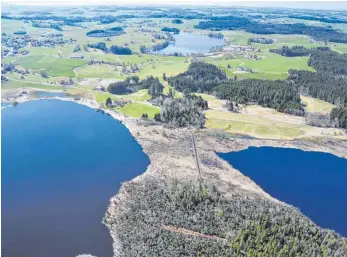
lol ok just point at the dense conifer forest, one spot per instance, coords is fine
(200, 77)
(280, 95)
(328, 62)
(184, 219)
(332, 89)
(340, 115)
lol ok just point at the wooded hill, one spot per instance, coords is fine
(182, 219)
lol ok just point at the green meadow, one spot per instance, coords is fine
(137, 109)
(54, 67)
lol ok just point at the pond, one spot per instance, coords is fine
(315, 182)
(188, 43)
(61, 163)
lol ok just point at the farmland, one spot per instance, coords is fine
(88, 68)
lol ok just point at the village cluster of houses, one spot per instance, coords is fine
(13, 45)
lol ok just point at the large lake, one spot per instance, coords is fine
(61, 163)
(187, 43)
(314, 182)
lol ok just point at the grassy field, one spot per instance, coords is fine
(139, 96)
(213, 102)
(42, 51)
(35, 78)
(272, 66)
(251, 125)
(156, 67)
(254, 120)
(10, 26)
(56, 68)
(101, 97)
(99, 71)
(170, 68)
(17, 84)
(316, 105)
(137, 109)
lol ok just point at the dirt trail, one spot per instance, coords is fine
(191, 232)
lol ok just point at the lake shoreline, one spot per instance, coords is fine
(172, 157)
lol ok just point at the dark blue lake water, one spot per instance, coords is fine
(61, 163)
(187, 43)
(314, 182)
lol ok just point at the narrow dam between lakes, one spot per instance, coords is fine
(61, 163)
(314, 182)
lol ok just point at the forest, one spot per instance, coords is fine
(183, 112)
(173, 30)
(297, 51)
(200, 77)
(319, 85)
(260, 40)
(328, 62)
(315, 18)
(116, 31)
(132, 84)
(185, 219)
(339, 114)
(233, 23)
(177, 21)
(120, 50)
(280, 95)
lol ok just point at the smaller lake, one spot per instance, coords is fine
(315, 182)
(187, 43)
